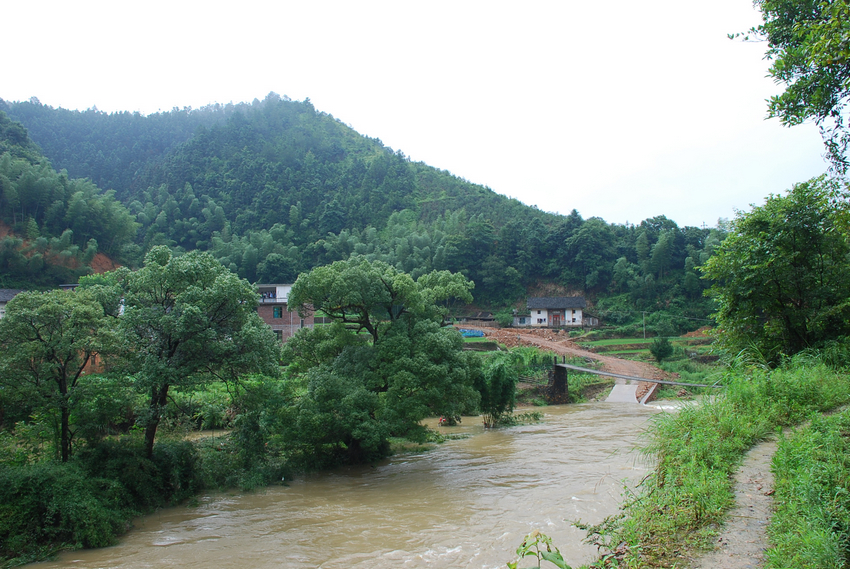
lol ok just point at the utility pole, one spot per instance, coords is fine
(644, 324)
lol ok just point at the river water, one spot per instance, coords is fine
(467, 504)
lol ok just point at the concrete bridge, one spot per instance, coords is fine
(622, 392)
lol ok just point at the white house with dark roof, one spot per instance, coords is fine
(552, 312)
(7, 294)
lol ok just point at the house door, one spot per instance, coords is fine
(556, 319)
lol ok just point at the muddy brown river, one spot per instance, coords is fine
(467, 503)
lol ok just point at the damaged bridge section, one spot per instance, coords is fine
(626, 389)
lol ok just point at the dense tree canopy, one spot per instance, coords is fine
(372, 295)
(275, 188)
(361, 389)
(59, 224)
(187, 321)
(47, 342)
(781, 275)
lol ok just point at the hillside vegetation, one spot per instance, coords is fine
(276, 187)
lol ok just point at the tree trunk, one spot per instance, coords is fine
(65, 432)
(159, 398)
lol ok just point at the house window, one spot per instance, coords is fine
(540, 321)
(277, 312)
(279, 335)
(522, 320)
(302, 323)
(538, 312)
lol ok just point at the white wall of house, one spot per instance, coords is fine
(540, 317)
(545, 318)
(274, 293)
(283, 291)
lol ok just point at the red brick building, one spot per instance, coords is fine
(274, 311)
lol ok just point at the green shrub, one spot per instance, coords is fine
(811, 526)
(47, 506)
(661, 349)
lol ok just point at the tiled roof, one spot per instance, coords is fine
(7, 294)
(556, 302)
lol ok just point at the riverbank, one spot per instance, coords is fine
(677, 511)
(466, 503)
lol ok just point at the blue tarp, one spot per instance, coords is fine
(471, 333)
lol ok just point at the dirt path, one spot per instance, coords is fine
(743, 538)
(560, 343)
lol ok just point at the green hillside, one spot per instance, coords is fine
(276, 187)
(51, 226)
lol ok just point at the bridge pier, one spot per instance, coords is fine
(559, 390)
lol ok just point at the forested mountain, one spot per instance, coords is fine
(275, 187)
(111, 149)
(58, 224)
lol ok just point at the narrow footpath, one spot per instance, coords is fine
(743, 538)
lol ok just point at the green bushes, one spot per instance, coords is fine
(91, 500)
(811, 526)
(48, 506)
(698, 448)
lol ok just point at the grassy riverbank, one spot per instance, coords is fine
(682, 502)
(811, 526)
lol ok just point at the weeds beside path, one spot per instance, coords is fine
(676, 512)
(743, 539)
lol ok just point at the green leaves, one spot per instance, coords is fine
(809, 45)
(370, 295)
(372, 385)
(188, 320)
(661, 349)
(539, 546)
(47, 341)
(781, 275)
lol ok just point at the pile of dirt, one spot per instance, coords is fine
(703, 332)
(513, 338)
(103, 264)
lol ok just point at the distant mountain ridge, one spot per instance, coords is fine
(275, 187)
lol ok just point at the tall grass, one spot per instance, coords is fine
(811, 526)
(697, 449)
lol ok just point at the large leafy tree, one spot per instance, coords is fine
(809, 45)
(385, 363)
(372, 295)
(188, 320)
(781, 275)
(48, 341)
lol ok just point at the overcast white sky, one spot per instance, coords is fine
(619, 109)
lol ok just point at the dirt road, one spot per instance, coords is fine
(560, 343)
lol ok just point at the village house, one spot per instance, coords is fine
(552, 312)
(6, 294)
(274, 310)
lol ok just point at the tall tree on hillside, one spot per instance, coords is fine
(188, 321)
